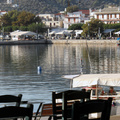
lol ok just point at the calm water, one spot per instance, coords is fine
(18, 67)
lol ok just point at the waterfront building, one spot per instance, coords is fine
(109, 15)
(76, 17)
(9, 1)
(3, 12)
(52, 20)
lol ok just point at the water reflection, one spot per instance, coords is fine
(18, 67)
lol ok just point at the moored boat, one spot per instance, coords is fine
(95, 83)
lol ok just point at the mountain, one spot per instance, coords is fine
(53, 6)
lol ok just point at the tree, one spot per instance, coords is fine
(25, 18)
(13, 15)
(40, 27)
(93, 27)
(5, 20)
(8, 29)
(75, 26)
(9, 18)
(21, 21)
(15, 28)
(112, 26)
(72, 8)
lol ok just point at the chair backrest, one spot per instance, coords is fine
(81, 111)
(17, 112)
(10, 99)
(73, 96)
(58, 108)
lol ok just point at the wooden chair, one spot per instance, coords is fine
(80, 96)
(16, 112)
(81, 111)
(11, 99)
(60, 108)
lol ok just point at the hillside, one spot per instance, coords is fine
(54, 6)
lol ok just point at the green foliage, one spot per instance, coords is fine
(32, 27)
(8, 29)
(5, 20)
(23, 28)
(21, 21)
(40, 28)
(15, 18)
(93, 27)
(54, 6)
(112, 26)
(15, 28)
(25, 18)
(72, 8)
(13, 15)
(75, 26)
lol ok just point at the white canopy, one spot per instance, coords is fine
(70, 76)
(53, 32)
(97, 79)
(60, 33)
(117, 32)
(66, 32)
(78, 31)
(18, 33)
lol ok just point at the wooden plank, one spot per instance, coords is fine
(47, 109)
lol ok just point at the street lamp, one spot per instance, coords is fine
(37, 29)
(88, 31)
(99, 32)
(2, 31)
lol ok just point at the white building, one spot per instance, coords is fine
(3, 12)
(51, 20)
(109, 15)
(76, 17)
(9, 1)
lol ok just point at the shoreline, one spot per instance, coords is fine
(73, 41)
(83, 41)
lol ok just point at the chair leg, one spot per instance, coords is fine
(38, 111)
(50, 117)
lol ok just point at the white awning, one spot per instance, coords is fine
(60, 33)
(78, 31)
(97, 79)
(66, 32)
(53, 32)
(117, 32)
(108, 30)
(70, 76)
(19, 33)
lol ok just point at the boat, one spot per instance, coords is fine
(95, 83)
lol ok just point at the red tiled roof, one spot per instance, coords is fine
(85, 12)
(72, 17)
(58, 14)
(3, 11)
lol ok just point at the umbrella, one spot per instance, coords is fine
(97, 79)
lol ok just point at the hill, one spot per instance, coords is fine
(54, 6)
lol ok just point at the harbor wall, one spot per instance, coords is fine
(73, 41)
